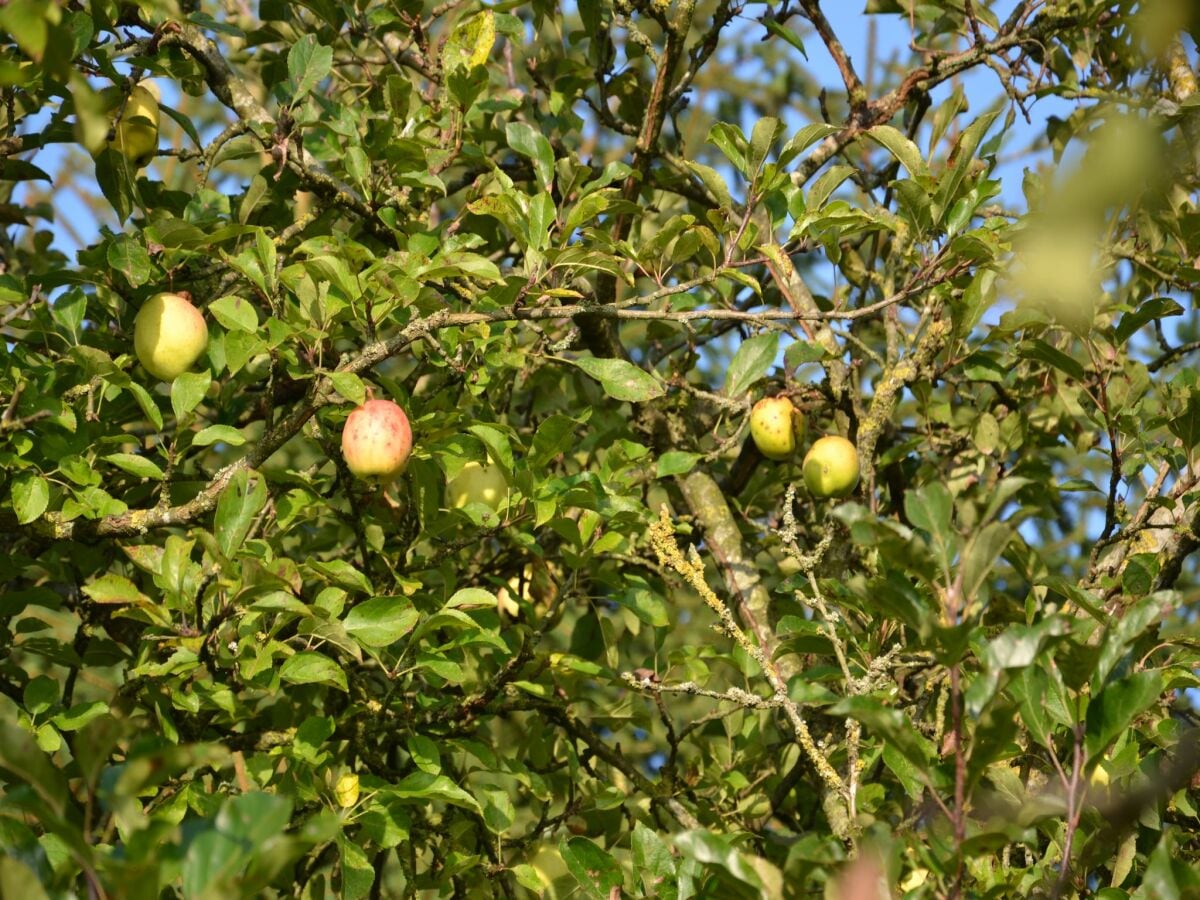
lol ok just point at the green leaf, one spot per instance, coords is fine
(30, 496)
(235, 313)
(130, 258)
(146, 402)
(135, 465)
(762, 136)
(524, 139)
(114, 588)
(653, 863)
(218, 434)
(621, 380)
(981, 555)
(752, 361)
(1052, 356)
(423, 786)
(18, 880)
(342, 573)
(425, 754)
(782, 31)
(554, 435)
(1146, 312)
(829, 181)
(80, 714)
(676, 462)
(28, 765)
(713, 182)
(597, 873)
(349, 386)
(381, 621)
(1186, 426)
(718, 849)
(929, 508)
(803, 139)
(1114, 710)
(729, 140)
(187, 390)
(40, 694)
(242, 500)
(313, 668)
(472, 598)
(308, 65)
(900, 147)
(358, 875)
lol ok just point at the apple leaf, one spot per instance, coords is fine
(1186, 426)
(240, 503)
(622, 380)
(135, 465)
(900, 147)
(308, 64)
(425, 754)
(313, 668)
(751, 362)
(130, 258)
(30, 497)
(235, 313)
(676, 462)
(597, 872)
(224, 434)
(1147, 311)
(1118, 705)
(532, 144)
(187, 390)
(381, 621)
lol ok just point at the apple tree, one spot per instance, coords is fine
(592, 641)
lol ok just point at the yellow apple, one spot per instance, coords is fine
(831, 467)
(346, 790)
(776, 427)
(377, 440)
(135, 135)
(169, 335)
(478, 484)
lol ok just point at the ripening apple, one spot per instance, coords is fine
(831, 467)
(169, 335)
(478, 484)
(136, 134)
(776, 427)
(377, 440)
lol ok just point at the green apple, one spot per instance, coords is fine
(776, 427)
(478, 484)
(831, 467)
(377, 440)
(135, 135)
(169, 335)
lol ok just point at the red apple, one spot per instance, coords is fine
(377, 440)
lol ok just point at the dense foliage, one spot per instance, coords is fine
(581, 241)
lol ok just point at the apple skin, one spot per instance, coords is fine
(478, 484)
(776, 427)
(169, 335)
(377, 440)
(136, 134)
(831, 467)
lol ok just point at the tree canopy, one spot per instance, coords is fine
(576, 244)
